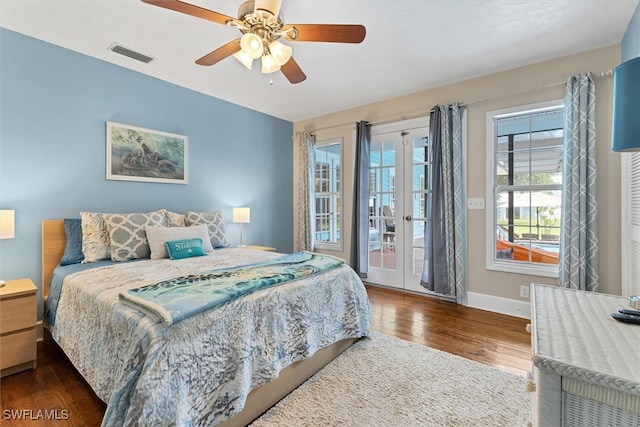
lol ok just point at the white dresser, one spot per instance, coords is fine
(586, 365)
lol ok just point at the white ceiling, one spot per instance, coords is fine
(410, 46)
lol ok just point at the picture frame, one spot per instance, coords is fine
(138, 154)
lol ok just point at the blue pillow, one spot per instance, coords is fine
(185, 248)
(73, 248)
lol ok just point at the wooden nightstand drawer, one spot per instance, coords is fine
(17, 313)
(17, 348)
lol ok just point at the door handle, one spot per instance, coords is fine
(408, 218)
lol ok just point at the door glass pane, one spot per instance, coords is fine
(389, 155)
(419, 180)
(418, 261)
(382, 186)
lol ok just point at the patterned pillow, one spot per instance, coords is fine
(215, 224)
(127, 235)
(173, 219)
(157, 236)
(95, 237)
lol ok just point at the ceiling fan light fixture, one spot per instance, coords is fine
(252, 45)
(269, 64)
(261, 24)
(281, 52)
(245, 59)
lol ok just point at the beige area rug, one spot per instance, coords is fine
(385, 381)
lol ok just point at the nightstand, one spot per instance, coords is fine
(261, 248)
(17, 326)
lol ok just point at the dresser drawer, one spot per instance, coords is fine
(17, 313)
(17, 348)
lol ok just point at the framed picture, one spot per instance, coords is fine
(139, 154)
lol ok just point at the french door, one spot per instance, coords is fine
(398, 188)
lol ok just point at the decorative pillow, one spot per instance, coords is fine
(95, 237)
(185, 248)
(127, 235)
(215, 224)
(173, 219)
(73, 248)
(157, 236)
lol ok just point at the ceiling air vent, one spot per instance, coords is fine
(130, 53)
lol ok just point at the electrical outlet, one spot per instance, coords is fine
(524, 291)
(475, 203)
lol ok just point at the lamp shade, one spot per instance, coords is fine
(269, 64)
(626, 106)
(241, 215)
(245, 59)
(252, 45)
(281, 53)
(7, 224)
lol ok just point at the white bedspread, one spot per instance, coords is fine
(200, 370)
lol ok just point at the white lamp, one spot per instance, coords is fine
(269, 64)
(7, 227)
(7, 224)
(245, 59)
(252, 45)
(281, 52)
(241, 216)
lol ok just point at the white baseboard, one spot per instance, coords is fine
(501, 305)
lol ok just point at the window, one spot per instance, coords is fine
(525, 150)
(328, 193)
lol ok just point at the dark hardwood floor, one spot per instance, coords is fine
(486, 337)
(483, 336)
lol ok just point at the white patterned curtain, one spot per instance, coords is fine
(445, 231)
(579, 242)
(306, 212)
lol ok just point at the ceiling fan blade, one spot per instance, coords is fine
(190, 9)
(220, 53)
(337, 33)
(293, 72)
(272, 6)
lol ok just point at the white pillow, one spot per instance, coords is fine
(157, 236)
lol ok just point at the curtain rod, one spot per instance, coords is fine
(423, 112)
(607, 73)
(390, 119)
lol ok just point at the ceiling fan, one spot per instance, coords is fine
(261, 26)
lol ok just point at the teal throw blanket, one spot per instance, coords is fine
(175, 299)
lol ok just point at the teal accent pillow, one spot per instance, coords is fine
(185, 248)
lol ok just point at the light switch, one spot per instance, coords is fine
(475, 203)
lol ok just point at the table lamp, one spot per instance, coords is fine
(241, 216)
(7, 227)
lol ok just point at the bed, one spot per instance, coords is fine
(222, 366)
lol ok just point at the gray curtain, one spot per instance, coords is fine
(445, 232)
(306, 212)
(579, 239)
(360, 226)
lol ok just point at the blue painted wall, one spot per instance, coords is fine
(631, 42)
(53, 107)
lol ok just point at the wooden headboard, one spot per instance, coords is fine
(54, 240)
